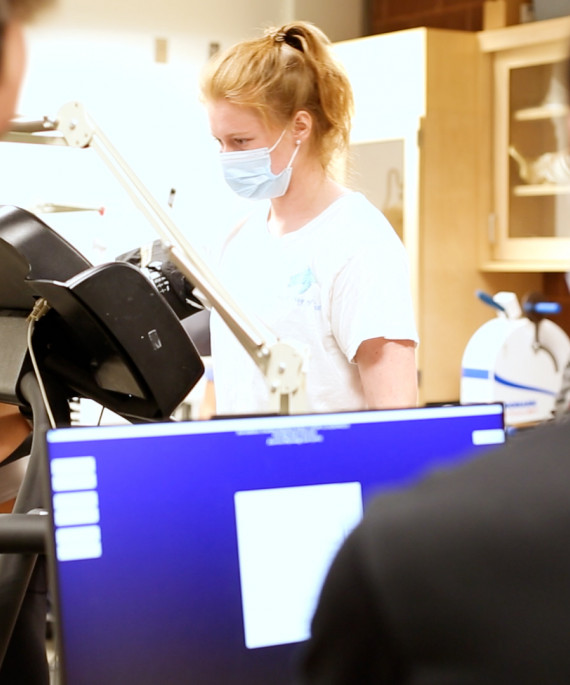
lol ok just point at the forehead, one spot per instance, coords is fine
(227, 118)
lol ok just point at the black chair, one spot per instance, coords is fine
(67, 330)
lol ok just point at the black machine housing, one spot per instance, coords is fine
(109, 334)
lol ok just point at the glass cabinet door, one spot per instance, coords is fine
(531, 159)
(539, 163)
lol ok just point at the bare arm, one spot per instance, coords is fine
(13, 429)
(388, 372)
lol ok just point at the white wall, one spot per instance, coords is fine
(102, 54)
(216, 20)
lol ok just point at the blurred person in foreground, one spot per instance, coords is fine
(462, 579)
(25, 661)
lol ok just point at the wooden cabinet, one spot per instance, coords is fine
(422, 109)
(530, 227)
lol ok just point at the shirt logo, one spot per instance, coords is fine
(302, 281)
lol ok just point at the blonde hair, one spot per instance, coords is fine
(286, 70)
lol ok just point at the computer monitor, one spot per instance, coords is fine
(194, 552)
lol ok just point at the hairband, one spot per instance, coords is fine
(291, 39)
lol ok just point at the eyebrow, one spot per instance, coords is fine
(239, 134)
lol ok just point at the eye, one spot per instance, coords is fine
(242, 142)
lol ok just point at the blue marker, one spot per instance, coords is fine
(487, 299)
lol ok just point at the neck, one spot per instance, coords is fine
(308, 195)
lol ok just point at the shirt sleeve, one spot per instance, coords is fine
(371, 295)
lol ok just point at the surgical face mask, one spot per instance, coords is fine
(248, 172)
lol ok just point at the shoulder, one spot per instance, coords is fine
(354, 203)
(360, 239)
(357, 221)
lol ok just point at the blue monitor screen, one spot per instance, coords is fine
(194, 552)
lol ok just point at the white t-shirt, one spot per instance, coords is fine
(339, 280)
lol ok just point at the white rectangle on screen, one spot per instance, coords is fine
(78, 542)
(490, 436)
(76, 508)
(287, 538)
(74, 473)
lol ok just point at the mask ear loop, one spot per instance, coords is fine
(297, 146)
(277, 141)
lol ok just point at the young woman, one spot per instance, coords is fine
(315, 262)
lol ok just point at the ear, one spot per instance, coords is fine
(302, 125)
